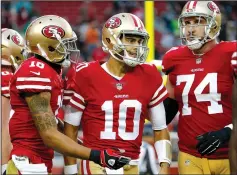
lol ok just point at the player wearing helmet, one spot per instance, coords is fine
(12, 49)
(36, 93)
(200, 79)
(233, 144)
(117, 100)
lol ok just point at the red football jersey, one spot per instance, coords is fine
(114, 110)
(33, 76)
(203, 89)
(5, 81)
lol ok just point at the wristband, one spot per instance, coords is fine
(163, 150)
(70, 169)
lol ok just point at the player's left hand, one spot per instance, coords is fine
(209, 142)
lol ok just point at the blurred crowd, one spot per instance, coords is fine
(87, 18)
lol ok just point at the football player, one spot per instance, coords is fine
(200, 79)
(233, 143)
(112, 99)
(36, 93)
(12, 49)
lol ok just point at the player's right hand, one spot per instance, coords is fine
(110, 158)
(234, 63)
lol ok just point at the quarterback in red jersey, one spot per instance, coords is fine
(233, 143)
(12, 49)
(200, 79)
(36, 96)
(111, 100)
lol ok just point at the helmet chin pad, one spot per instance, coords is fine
(195, 44)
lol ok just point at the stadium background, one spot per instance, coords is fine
(87, 19)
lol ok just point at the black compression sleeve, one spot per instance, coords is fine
(171, 109)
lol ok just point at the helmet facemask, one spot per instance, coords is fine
(68, 47)
(196, 42)
(130, 54)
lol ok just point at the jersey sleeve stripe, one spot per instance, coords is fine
(6, 95)
(234, 54)
(234, 62)
(33, 79)
(157, 92)
(5, 88)
(33, 87)
(79, 97)
(77, 104)
(67, 97)
(68, 92)
(160, 97)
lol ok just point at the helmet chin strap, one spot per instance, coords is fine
(43, 52)
(130, 61)
(14, 62)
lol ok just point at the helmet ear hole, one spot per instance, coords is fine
(108, 40)
(51, 49)
(17, 58)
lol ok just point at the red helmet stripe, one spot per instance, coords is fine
(141, 25)
(135, 21)
(194, 4)
(188, 4)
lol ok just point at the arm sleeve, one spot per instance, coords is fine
(72, 116)
(171, 109)
(157, 117)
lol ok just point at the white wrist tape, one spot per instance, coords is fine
(70, 169)
(164, 151)
(229, 126)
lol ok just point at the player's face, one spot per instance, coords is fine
(194, 27)
(132, 43)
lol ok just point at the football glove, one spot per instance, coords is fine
(110, 158)
(234, 63)
(209, 142)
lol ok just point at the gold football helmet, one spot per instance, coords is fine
(52, 37)
(202, 9)
(119, 26)
(13, 48)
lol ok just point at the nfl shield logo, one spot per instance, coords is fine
(119, 86)
(198, 60)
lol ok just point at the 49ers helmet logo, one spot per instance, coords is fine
(212, 6)
(113, 23)
(50, 31)
(17, 40)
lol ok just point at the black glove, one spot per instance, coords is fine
(211, 141)
(110, 158)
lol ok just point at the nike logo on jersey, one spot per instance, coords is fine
(36, 73)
